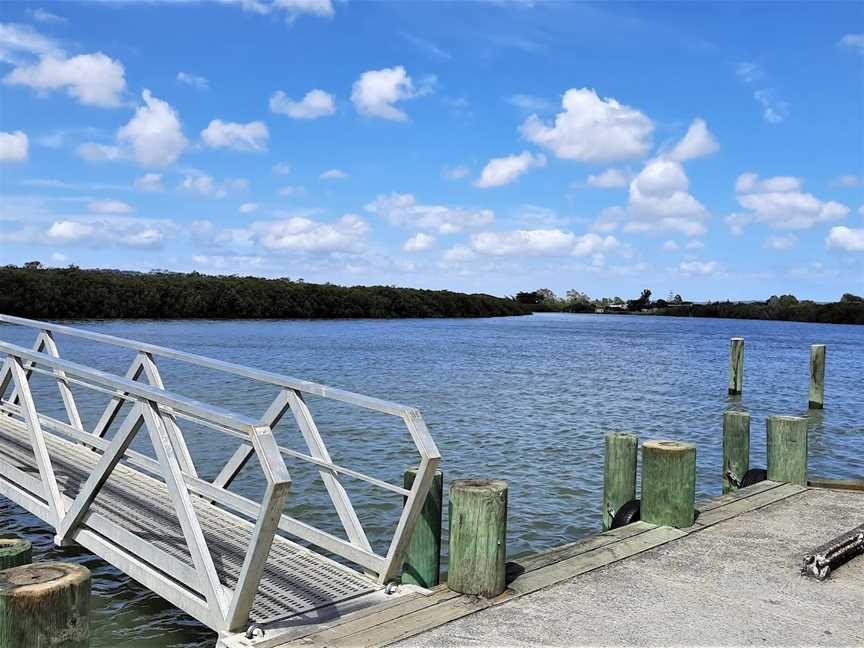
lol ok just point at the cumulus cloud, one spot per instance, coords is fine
(248, 208)
(609, 179)
(458, 254)
(376, 91)
(93, 152)
(93, 232)
(154, 134)
(290, 9)
(109, 207)
(41, 64)
(457, 172)
(780, 203)
(502, 171)
(200, 183)
(781, 242)
(150, 183)
(306, 235)
(43, 16)
(845, 238)
(333, 174)
(282, 168)
(193, 80)
(702, 268)
(315, 104)
(541, 242)
(404, 210)
(854, 42)
(292, 190)
(849, 181)
(418, 243)
(248, 138)
(670, 246)
(698, 142)
(591, 129)
(14, 147)
(774, 110)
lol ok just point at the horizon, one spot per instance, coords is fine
(493, 147)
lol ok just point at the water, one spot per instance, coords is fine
(526, 399)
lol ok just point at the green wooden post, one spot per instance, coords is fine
(817, 376)
(619, 473)
(478, 531)
(14, 551)
(787, 449)
(45, 605)
(736, 448)
(422, 564)
(668, 483)
(736, 366)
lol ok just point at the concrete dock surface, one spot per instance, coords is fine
(730, 582)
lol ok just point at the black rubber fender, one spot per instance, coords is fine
(753, 476)
(627, 514)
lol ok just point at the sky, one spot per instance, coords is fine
(710, 150)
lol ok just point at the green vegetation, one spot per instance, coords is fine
(72, 293)
(849, 310)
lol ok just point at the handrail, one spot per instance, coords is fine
(306, 386)
(214, 413)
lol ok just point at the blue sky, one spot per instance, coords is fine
(714, 150)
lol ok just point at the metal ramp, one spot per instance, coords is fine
(211, 552)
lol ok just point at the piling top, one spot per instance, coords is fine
(668, 446)
(737, 339)
(491, 485)
(10, 546)
(38, 578)
(791, 419)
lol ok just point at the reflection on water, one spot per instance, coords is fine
(525, 399)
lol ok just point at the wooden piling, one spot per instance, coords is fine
(668, 483)
(736, 448)
(619, 473)
(736, 366)
(14, 551)
(478, 530)
(817, 376)
(45, 605)
(787, 449)
(422, 564)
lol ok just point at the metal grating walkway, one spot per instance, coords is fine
(295, 580)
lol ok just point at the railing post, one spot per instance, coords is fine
(478, 537)
(736, 448)
(668, 483)
(817, 376)
(736, 366)
(787, 449)
(422, 564)
(619, 473)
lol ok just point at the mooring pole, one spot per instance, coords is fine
(787, 449)
(422, 564)
(619, 473)
(478, 531)
(736, 448)
(14, 551)
(736, 366)
(817, 376)
(668, 483)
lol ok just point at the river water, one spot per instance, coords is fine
(526, 399)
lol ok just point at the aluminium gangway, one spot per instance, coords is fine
(221, 557)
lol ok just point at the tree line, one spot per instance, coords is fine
(72, 293)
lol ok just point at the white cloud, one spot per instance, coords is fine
(774, 110)
(456, 172)
(93, 152)
(780, 203)
(333, 174)
(749, 72)
(306, 235)
(291, 9)
(18, 40)
(40, 15)
(458, 254)
(282, 168)
(609, 179)
(530, 103)
(404, 210)
(418, 243)
(855, 42)
(292, 190)
(698, 142)
(92, 79)
(694, 245)
(376, 91)
(109, 207)
(315, 104)
(14, 147)
(247, 138)
(703, 268)
(204, 185)
(193, 80)
(786, 242)
(849, 181)
(591, 129)
(150, 183)
(93, 232)
(502, 171)
(248, 208)
(845, 238)
(541, 242)
(670, 246)
(154, 133)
